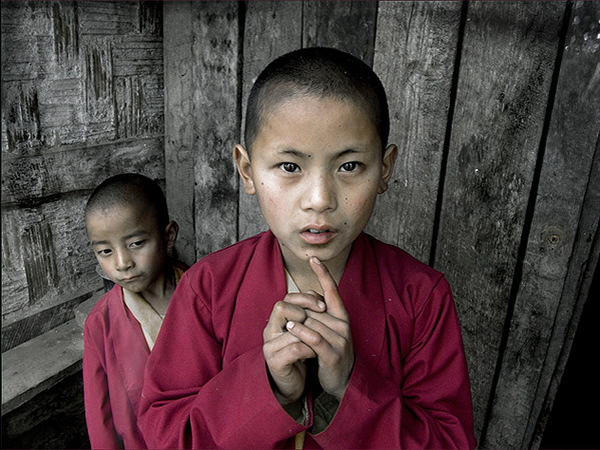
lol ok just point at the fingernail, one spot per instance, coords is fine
(321, 305)
(289, 325)
(316, 260)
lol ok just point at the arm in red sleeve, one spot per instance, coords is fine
(427, 406)
(193, 399)
(98, 414)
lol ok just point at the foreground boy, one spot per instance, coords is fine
(312, 334)
(129, 229)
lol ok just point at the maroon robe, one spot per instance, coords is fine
(206, 382)
(114, 357)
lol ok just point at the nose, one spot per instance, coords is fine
(319, 194)
(123, 261)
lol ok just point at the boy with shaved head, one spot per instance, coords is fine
(129, 228)
(312, 334)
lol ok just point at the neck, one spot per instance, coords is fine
(159, 294)
(306, 279)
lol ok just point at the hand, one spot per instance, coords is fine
(328, 335)
(285, 353)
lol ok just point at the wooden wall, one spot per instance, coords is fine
(495, 108)
(82, 99)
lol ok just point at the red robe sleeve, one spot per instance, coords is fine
(98, 413)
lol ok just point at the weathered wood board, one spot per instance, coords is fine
(506, 69)
(556, 226)
(179, 124)
(414, 54)
(217, 121)
(352, 30)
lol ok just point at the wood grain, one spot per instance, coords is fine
(179, 125)
(536, 329)
(506, 70)
(216, 123)
(414, 56)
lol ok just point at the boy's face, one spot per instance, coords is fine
(129, 245)
(316, 167)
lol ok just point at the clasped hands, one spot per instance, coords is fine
(304, 326)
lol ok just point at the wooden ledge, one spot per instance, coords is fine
(40, 363)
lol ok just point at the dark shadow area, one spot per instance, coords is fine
(53, 419)
(575, 416)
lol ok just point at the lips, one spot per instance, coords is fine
(130, 279)
(318, 234)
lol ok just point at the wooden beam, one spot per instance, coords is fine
(216, 122)
(179, 124)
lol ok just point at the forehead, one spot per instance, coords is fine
(120, 219)
(316, 123)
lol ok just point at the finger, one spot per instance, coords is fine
(281, 313)
(332, 298)
(285, 350)
(310, 300)
(323, 339)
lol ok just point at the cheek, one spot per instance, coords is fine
(270, 200)
(360, 206)
(105, 265)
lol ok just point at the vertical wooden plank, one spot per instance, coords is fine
(271, 30)
(347, 26)
(507, 62)
(179, 124)
(216, 121)
(537, 331)
(414, 57)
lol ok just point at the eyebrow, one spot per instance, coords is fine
(299, 154)
(139, 233)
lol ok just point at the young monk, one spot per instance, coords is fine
(129, 229)
(312, 334)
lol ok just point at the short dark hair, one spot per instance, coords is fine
(322, 72)
(130, 189)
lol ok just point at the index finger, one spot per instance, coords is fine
(335, 305)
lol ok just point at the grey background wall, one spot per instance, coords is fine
(494, 107)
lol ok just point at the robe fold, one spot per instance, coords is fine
(206, 382)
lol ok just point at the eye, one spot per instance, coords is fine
(136, 244)
(104, 252)
(351, 166)
(290, 167)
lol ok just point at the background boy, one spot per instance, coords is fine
(129, 229)
(312, 334)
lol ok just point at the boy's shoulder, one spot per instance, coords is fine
(399, 263)
(235, 254)
(101, 310)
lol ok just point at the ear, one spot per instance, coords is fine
(389, 159)
(242, 161)
(171, 232)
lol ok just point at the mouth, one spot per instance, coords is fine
(129, 279)
(318, 235)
